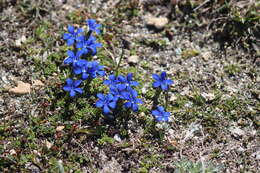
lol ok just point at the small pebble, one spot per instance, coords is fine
(157, 22)
(133, 59)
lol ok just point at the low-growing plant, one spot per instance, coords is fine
(187, 166)
(121, 94)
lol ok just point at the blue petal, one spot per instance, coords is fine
(110, 97)
(106, 109)
(77, 70)
(78, 54)
(84, 76)
(70, 42)
(69, 81)
(169, 82)
(134, 107)
(156, 84)
(134, 93)
(79, 45)
(72, 93)
(93, 50)
(107, 82)
(80, 30)
(71, 29)
(77, 83)
(101, 73)
(68, 60)
(101, 96)
(129, 76)
(134, 83)
(112, 105)
(67, 88)
(167, 114)
(66, 36)
(165, 119)
(99, 104)
(155, 113)
(79, 90)
(70, 53)
(128, 104)
(139, 101)
(156, 77)
(163, 75)
(121, 87)
(164, 87)
(158, 118)
(160, 108)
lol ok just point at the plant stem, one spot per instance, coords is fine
(118, 64)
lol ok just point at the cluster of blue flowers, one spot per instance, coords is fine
(84, 45)
(121, 88)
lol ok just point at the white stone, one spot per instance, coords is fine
(133, 59)
(117, 138)
(19, 41)
(60, 128)
(208, 96)
(206, 56)
(237, 132)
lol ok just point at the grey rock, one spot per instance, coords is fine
(237, 132)
(111, 166)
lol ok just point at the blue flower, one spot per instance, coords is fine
(96, 69)
(88, 45)
(160, 115)
(132, 100)
(112, 80)
(107, 102)
(72, 58)
(118, 90)
(72, 87)
(72, 36)
(93, 26)
(128, 80)
(161, 81)
(88, 69)
(82, 67)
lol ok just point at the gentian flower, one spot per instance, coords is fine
(72, 58)
(88, 45)
(161, 81)
(160, 115)
(128, 80)
(107, 102)
(96, 69)
(82, 67)
(72, 36)
(88, 69)
(112, 80)
(93, 26)
(72, 87)
(132, 100)
(118, 90)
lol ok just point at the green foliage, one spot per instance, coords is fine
(189, 53)
(186, 166)
(232, 69)
(105, 140)
(150, 161)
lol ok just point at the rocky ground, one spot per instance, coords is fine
(210, 50)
